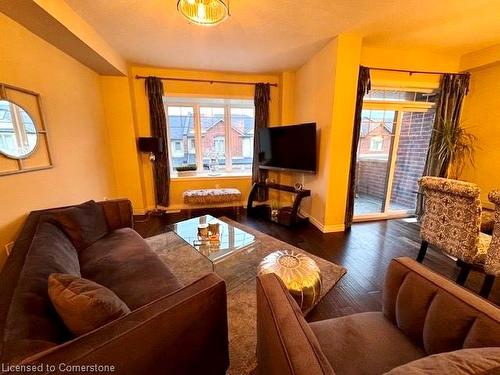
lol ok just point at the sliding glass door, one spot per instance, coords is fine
(392, 149)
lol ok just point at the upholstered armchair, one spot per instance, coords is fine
(492, 263)
(451, 222)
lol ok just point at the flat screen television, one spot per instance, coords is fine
(288, 148)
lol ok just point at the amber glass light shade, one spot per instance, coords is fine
(204, 12)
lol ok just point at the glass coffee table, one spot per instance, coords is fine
(235, 257)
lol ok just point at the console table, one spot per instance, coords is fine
(286, 215)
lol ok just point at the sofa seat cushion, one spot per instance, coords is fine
(123, 262)
(364, 344)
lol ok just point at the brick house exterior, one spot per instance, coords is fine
(372, 167)
(182, 140)
(365, 141)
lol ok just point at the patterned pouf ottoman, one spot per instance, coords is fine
(300, 274)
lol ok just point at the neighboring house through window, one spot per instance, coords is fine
(207, 132)
(191, 145)
(177, 149)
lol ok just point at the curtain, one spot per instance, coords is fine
(261, 102)
(452, 90)
(158, 122)
(364, 85)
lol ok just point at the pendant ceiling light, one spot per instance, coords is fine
(204, 12)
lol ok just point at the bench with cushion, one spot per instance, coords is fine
(213, 197)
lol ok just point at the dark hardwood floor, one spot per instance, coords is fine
(365, 251)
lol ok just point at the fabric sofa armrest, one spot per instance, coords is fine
(118, 212)
(285, 342)
(182, 333)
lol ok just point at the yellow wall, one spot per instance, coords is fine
(180, 88)
(287, 98)
(481, 59)
(314, 85)
(344, 106)
(325, 93)
(120, 124)
(481, 114)
(74, 116)
(409, 59)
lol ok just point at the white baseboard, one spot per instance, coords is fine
(324, 228)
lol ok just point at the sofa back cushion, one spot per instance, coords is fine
(83, 224)
(285, 342)
(32, 323)
(460, 362)
(435, 313)
(123, 262)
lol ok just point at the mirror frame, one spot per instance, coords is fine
(41, 130)
(24, 156)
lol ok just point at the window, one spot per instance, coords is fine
(191, 146)
(177, 148)
(214, 134)
(394, 135)
(376, 144)
(181, 128)
(242, 124)
(220, 145)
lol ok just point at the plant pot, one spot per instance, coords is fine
(186, 173)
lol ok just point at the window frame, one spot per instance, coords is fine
(208, 102)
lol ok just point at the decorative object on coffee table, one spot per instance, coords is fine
(300, 274)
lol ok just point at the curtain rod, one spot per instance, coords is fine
(211, 81)
(410, 72)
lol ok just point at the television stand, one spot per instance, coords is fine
(288, 216)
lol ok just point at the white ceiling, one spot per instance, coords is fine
(278, 35)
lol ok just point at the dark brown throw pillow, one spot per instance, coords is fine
(83, 224)
(82, 304)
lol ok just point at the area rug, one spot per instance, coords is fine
(188, 265)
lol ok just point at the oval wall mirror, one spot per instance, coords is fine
(18, 134)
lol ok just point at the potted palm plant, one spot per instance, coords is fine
(454, 147)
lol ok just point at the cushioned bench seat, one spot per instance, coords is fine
(212, 196)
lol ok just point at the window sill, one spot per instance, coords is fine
(206, 176)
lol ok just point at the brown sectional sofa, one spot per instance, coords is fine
(423, 314)
(171, 329)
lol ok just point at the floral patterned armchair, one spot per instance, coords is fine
(492, 263)
(451, 222)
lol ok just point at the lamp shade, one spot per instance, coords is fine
(204, 12)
